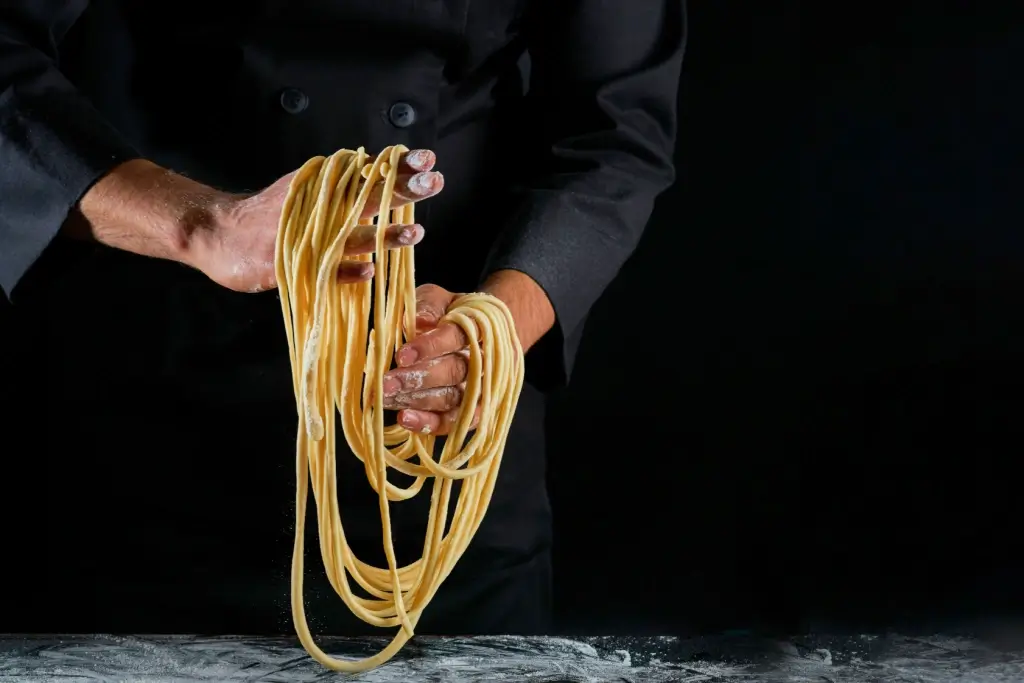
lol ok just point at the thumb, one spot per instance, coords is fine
(431, 304)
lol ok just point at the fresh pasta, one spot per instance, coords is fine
(338, 362)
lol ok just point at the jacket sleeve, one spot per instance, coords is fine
(602, 106)
(53, 143)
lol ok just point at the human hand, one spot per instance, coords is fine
(236, 245)
(429, 383)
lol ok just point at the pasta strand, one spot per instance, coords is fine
(338, 362)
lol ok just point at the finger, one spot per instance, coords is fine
(440, 399)
(418, 186)
(447, 371)
(434, 422)
(408, 188)
(354, 271)
(413, 161)
(364, 238)
(417, 160)
(432, 303)
(445, 338)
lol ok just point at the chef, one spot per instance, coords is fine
(145, 150)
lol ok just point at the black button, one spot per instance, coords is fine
(402, 114)
(294, 101)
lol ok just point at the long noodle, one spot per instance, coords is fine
(338, 363)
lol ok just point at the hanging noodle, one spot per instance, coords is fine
(338, 363)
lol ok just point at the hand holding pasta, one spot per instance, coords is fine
(237, 249)
(429, 384)
(338, 364)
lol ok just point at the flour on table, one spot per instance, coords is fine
(808, 659)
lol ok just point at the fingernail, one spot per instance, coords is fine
(423, 183)
(410, 234)
(409, 420)
(420, 158)
(406, 356)
(391, 386)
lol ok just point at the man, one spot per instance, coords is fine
(131, 130)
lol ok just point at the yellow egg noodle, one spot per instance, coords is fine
(338, 363)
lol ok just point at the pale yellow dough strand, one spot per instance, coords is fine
(338, 363)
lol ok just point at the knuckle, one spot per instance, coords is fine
(431, 345)
(428, 310)
(456, 369)
(452, 397)
(454, 337)
(427, 291)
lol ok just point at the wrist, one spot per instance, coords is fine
(527, 301)
(148, 210)
(199, 226)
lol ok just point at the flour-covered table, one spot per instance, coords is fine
(858, 659)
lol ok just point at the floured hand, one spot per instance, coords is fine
(236, 249)
(429, 383)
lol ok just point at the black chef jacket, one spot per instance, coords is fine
(164, 401)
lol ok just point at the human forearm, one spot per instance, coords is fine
(145, 209)
(142, 208)
(529, 305)
(65, 170)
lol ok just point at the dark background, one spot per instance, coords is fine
(799, 406)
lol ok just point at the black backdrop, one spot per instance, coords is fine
(798, 407)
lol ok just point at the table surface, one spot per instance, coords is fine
(822, 659)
